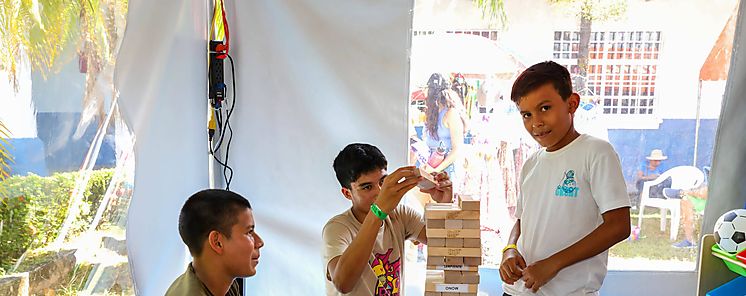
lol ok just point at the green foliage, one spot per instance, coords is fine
(36, 206)
(42, 29)
(5, 157)
(594, 10)
(493, 10)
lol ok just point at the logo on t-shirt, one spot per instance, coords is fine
(568, 187)
(387, 273)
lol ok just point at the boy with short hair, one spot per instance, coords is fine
(218, 228)
(364, 246)
(573, 204)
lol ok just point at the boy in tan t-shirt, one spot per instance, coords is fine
(364, 244)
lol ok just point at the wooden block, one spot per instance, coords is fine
(472, 243)
(455, 242)
(436, 223)
(435, 260)
(470, 277)
(454, 288)
(453, 260)
(460, 277)
(444, 261)
(468, 203)
(452, 277)
(454, 233)
(451, 214)
(455, 252)
(458, 294)
(469, 224)
(473, 261)
(427, 293)
(454, 224)
(428, 181)
(453, 267)
(433, 276)
(436, 242)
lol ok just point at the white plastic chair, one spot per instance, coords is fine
(682, 177)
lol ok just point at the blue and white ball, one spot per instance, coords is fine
(730, 231)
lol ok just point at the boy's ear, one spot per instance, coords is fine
(574, 102)
(215, 241)
(347, 193)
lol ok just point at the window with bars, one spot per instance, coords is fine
(489, 34)
(622, 67)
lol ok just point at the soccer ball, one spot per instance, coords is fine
(730, 231)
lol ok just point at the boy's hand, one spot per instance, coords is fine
(512, 266)
(395, 186)
(443, 191)
(538, 274)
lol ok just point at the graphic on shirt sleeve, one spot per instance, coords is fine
(568, 187)
(387, 273)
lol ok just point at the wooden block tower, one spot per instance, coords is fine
(454, 248)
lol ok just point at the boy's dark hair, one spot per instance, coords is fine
(538, 75)
(208, 210)
(357, 159)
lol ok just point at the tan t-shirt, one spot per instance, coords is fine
(188, 284)
(384, 273)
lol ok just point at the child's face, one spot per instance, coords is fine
(242, 249)
(547, 117)
(364, 191)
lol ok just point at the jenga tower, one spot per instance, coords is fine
(454, 248)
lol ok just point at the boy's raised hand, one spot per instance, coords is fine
(538, 274)
(443, 191)
(512, 266)
(395, 186)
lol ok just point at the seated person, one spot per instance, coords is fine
(692, 201)
(218, 228)
(650, 171)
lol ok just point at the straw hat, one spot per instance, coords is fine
(656, 154)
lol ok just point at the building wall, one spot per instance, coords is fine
(675, 137)
(531, 24)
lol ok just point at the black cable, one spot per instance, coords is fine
(227, 169)
(223, 128)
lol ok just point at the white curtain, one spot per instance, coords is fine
(312, 76)
(161, 77)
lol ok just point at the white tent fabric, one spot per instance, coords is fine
(161, 77)
(312, 76)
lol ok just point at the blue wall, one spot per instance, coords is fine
(674, 136)
(55, 150)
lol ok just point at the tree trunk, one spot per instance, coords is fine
(585, 37)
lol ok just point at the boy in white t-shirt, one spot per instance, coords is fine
(573, 204)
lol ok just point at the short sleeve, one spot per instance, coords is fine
(337, 237)
(607, 183)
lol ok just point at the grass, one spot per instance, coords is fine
(654, 244)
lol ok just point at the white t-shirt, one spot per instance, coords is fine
(563, 194)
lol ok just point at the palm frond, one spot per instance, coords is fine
(48, 38)
(494, 10)
(13, 21)
(5, 158)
